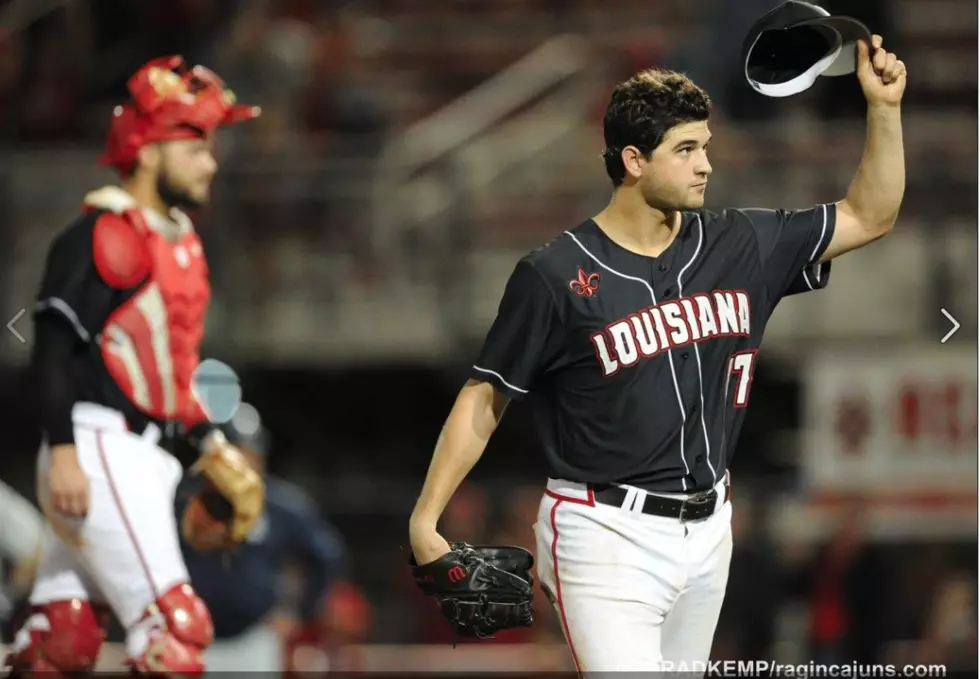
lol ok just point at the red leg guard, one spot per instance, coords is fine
(59, 639)
(180, 630)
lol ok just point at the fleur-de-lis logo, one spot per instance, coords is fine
(586, 285)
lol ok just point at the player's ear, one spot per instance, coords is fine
(150, 157)
(633, 160)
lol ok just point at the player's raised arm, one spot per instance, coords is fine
(522, 340)
(871, 206)
(795, 241)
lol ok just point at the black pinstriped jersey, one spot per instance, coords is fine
(638, 369)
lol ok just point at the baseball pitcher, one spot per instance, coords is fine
(633, 338)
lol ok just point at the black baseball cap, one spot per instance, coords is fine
(790, 46)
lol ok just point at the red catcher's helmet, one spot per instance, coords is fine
(169, 102)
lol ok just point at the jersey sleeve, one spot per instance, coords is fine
(814, 276)
(70, 285)
(525, 337)
(55, 344)
(790, 243)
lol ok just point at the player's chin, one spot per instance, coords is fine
(695, 198)
(198, 197)
(695, 203)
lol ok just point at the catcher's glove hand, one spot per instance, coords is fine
(223, 514)
(480, 589)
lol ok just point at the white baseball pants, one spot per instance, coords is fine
(126, 552)
(634, 592)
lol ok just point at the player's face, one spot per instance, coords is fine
(186, 170)
(677, 175)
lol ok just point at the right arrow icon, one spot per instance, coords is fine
(956, 326)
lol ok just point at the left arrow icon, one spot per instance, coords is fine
(13, 330)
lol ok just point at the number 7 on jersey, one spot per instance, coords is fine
(741, 365)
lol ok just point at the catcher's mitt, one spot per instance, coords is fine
(480, 589)
(222, 515)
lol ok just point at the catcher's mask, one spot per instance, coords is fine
(169, 102)
(787, 49)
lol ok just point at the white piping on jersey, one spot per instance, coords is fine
(816, 276)
(816, 272)
(697, 354)
(670, 356)
(62, 306)
(501, 378)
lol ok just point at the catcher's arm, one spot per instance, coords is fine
(473, 419)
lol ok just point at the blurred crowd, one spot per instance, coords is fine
(335, 77)
(351, 68)
(340, 80)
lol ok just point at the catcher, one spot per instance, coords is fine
(117, 327)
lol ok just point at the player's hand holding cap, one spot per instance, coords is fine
(882, 74)
(789, 47)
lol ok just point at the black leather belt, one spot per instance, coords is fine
(694, 508)
(138, 423)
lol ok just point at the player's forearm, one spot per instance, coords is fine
(875, 194)
(461, 443)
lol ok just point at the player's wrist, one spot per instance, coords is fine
(884, 108)
(64, 452)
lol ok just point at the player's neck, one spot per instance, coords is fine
(636, 226)
(146, 196)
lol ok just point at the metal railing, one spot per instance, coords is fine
(425, 171)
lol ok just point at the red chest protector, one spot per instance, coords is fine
(151, 342)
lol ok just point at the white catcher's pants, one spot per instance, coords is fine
(126, 552)
(633, 591)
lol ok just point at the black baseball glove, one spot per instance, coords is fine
(480, 590)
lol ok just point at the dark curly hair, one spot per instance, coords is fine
(642, 110)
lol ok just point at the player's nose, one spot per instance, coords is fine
(704, 167)
(210, 166)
